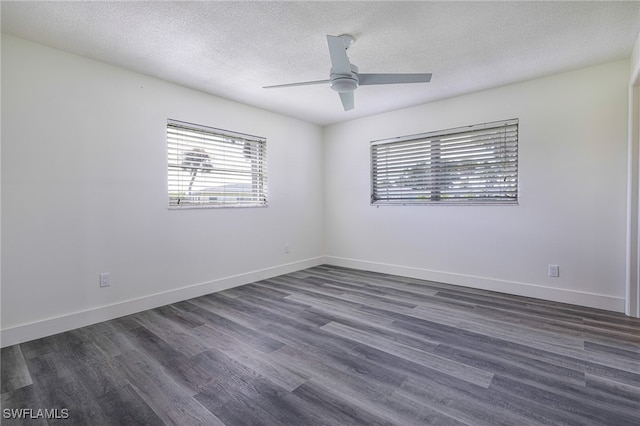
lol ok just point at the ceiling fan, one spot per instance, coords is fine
(344, 77)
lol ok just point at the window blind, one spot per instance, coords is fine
(469, 165)
(210, 167)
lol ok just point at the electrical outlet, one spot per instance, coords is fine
(554, 271)
(286, 249)
(105, 279)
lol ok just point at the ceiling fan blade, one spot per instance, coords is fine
(347, 100)
(338, 52)
(304, 83)
(365, 79)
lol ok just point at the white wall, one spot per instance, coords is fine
(84, 191)
(632, 306)
(572, 180)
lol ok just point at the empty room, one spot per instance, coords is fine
(320, 213)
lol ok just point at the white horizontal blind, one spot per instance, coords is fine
(469, 165)
(211, 167)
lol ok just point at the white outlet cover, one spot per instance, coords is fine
(105, 279)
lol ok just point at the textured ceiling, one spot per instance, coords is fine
(232, 49)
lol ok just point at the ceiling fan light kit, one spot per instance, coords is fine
(344, 77)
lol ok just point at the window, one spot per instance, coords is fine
(215, 168)
(469, 165)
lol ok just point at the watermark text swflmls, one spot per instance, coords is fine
(35, 413)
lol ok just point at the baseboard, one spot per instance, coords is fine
(592, 300)
(35, 330)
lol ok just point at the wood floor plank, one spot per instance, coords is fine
(325, 372)
(261, 363)
(124, 406)
(168, 399)
(336, 408)
(14, 372)
(626, 394)
(108, 337)
(170, 361)
(426, 359)
(596, 411)
(235, 391)
(56, 388)
(332, 309)
(473, 408)
(174, 333)
(514, 364)
(334, 351)
(254, 338)
(335, 346)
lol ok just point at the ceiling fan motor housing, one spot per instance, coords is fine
(344, 83)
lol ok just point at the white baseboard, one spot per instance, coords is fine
(592, 300)
(35, 330)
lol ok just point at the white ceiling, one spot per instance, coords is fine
(232, 49)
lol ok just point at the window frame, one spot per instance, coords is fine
(212, 146)
(399, 166)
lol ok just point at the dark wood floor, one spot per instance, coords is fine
(333, 346)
